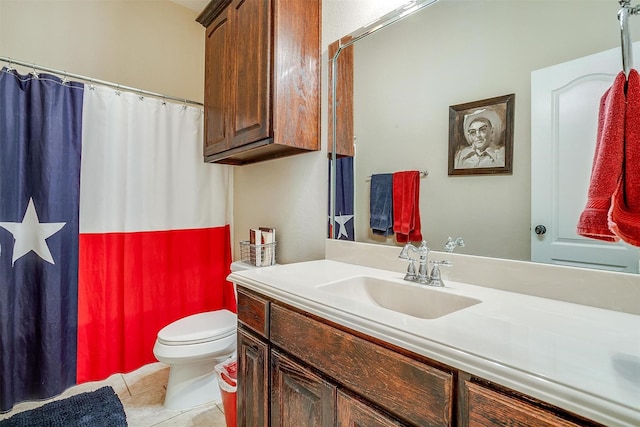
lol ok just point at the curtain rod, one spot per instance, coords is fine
(11, 61)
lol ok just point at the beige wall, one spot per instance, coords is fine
(152, 45)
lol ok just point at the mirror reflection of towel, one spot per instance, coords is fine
(406, 206)
(624, 215)
(381, 204)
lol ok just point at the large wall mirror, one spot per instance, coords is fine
(407, 75)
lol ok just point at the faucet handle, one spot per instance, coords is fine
(451, 244)
(411, 271)
(434, 278)
(404, 254)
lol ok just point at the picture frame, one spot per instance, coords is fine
(481, 136)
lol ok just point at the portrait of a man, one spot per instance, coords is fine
(480, 137)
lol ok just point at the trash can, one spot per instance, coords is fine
(226, 373)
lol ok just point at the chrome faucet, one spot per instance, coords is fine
(422, 276)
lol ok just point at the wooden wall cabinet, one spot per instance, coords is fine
(296, 369)
(262, 79)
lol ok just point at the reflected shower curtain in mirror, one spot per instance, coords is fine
(149, 242)
(343, 226)
(40, 147)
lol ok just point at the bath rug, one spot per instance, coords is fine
(99, 408)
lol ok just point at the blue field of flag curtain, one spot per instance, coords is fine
(40, 137)
(111, 227)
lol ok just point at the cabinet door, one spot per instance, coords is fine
(253, 380)
(216, 89)
(250, 71)
(354, 413)
(299, 397)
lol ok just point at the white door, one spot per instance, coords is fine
(564, 114)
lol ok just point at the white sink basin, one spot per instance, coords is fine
(422, 302)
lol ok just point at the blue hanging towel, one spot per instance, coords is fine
(381, 204)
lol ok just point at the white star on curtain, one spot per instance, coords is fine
(31, 235)
(342, 221)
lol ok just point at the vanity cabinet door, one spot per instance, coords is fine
(488, 408)
(299, 397)
(353, 412)
(253, 380)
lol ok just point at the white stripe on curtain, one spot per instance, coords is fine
(142, 167)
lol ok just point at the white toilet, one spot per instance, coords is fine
(192, 346)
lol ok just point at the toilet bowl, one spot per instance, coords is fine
(192, 347)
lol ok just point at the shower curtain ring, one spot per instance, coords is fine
(10, 68)
(34, 73)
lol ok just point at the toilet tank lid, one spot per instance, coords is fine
(197, 328)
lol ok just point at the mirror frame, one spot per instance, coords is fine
(343, 43)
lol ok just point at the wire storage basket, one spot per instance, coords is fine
(261, 255)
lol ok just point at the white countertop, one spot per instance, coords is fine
(580, 358)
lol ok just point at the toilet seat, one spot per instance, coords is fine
(199, 328)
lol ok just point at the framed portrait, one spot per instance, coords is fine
(481, 136)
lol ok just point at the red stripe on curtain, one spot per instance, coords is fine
(131, 285)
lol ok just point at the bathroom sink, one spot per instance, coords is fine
(417, 301)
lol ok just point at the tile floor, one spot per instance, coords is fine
(142, 393)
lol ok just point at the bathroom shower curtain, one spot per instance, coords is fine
(40, 147)
(154, 234)
(129, 231)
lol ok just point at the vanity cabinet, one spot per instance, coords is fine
(351, 411)
(296, 369)
(487, 407)
(262, 79)
(252, 395)
(253, 391)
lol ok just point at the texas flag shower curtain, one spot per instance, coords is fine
(111, 227)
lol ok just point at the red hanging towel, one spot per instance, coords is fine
(607, 163)
(406, 206)
(624, 215)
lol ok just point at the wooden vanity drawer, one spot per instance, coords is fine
(486, 408)
(413, 391)
(253, 312)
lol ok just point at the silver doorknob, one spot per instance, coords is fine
(540, 229)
